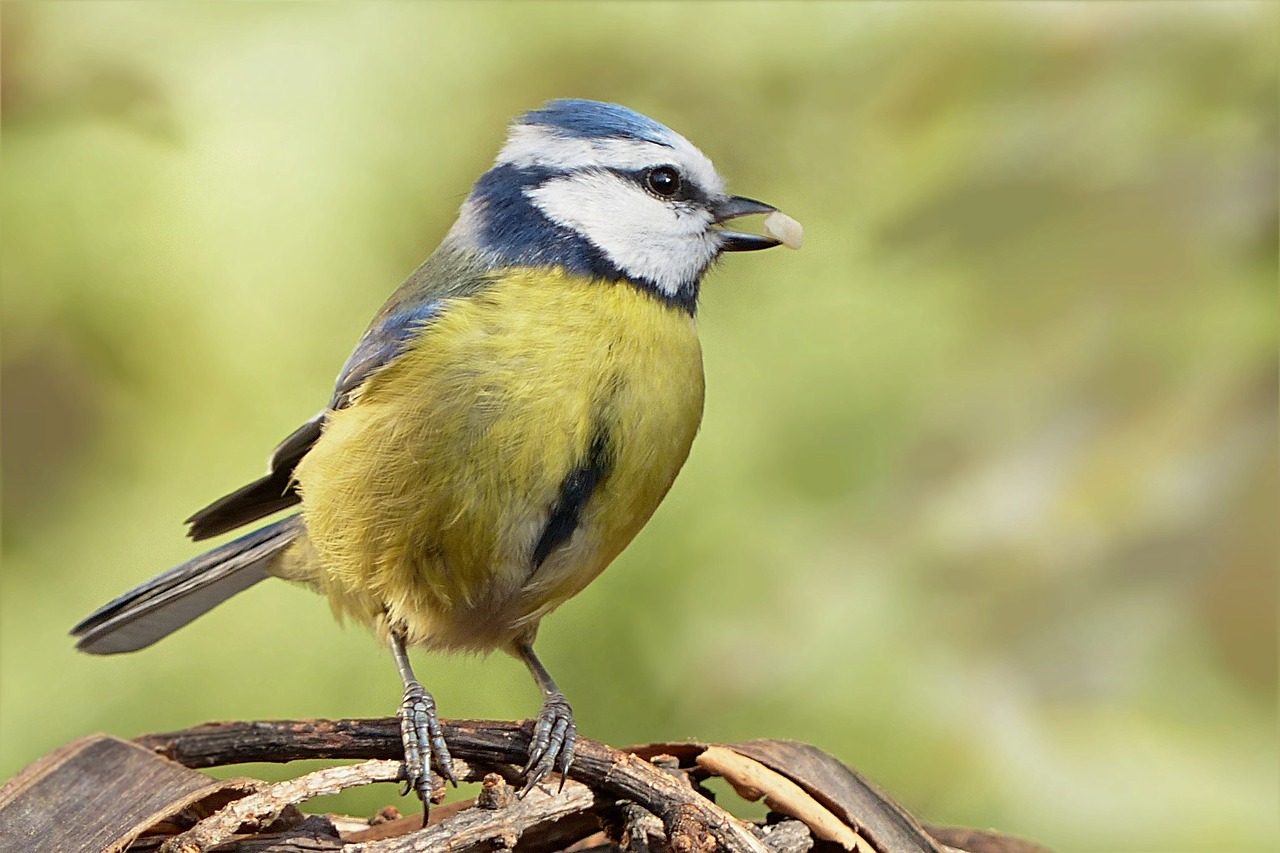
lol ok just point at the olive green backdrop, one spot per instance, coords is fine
(985, 500)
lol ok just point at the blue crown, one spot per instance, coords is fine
(596, 119)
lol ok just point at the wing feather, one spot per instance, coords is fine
(447, 273)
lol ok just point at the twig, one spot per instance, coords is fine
(555, 819)
(263, 808)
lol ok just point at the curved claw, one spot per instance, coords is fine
(423, 740)
(552, 744)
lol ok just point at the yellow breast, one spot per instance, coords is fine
(426, 497)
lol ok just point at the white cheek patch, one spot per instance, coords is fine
(642, 235)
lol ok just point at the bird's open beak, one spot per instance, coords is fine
(731, 207)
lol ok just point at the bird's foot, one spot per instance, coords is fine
(424, 745)
(551, 747)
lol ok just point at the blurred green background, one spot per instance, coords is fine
(985, 500)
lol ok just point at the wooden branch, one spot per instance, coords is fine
(693, 824)
(218, 744)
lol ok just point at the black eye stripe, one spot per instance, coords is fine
(687, 191)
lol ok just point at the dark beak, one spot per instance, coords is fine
(731, 207)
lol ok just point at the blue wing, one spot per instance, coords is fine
(384, 342)
(447, 273)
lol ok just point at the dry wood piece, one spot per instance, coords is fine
(264, 808)
(389, 824)
(875, 817)
(752, 780)
(789, 836)
(98, 794)
(316, 834)
(543, 820)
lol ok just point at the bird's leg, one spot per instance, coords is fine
(551, 747)
(420, 730)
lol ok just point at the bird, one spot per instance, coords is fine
(507, 423)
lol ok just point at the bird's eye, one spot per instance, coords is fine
(663, 180)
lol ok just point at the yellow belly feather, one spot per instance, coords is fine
(424, 498)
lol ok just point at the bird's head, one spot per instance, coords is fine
(599, 189)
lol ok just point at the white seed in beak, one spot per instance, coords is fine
(784, 229)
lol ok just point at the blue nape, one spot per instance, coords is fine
(519, 234)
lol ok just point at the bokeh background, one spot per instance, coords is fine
(985, 500)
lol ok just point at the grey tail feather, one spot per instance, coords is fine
(165, 603)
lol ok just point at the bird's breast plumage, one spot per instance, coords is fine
(493, 469)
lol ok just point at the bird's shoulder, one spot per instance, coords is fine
(448, 274)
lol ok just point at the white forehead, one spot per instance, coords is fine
(530, 145)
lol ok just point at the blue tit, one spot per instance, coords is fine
(508, 422)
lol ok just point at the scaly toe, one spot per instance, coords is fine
(552, 744)
(423, 741)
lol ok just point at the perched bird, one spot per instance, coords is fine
(508, 422)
